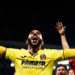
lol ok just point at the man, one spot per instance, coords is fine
(71, 72)
(61, 70)
(35, 60)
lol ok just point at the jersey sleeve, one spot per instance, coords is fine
(55, 54)
(58, 55)
(11, 54)
(69, 53)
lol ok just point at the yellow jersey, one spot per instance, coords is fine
(41, 63)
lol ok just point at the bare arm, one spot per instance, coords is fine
(61, 30)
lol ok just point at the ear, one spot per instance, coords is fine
(42, 42)
(27, 41)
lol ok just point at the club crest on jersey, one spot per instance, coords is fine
(42, 56)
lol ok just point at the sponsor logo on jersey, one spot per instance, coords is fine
(38, 63)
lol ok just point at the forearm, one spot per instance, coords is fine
(2, 51)
(64, 42)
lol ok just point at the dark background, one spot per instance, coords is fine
(16, 23)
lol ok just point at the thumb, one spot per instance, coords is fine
(64, 27)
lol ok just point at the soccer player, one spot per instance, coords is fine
(61, 70)
(35, 60)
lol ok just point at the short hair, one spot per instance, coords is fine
(38, 31)
(35, 29)
(60, 66)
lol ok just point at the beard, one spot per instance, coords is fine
(61, 73)
(34, 46)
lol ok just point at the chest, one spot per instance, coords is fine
(40, 59)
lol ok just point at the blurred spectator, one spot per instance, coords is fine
(61, 70)
(72, 64)
(71, 72)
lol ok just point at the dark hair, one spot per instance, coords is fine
(60, 66)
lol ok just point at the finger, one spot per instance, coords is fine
(57, 23)
(57, 28)
(64, 27)
(61, 23)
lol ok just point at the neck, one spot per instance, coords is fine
(33, 50)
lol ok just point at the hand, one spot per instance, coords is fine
(60, 28)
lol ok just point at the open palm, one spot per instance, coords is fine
(60, 28)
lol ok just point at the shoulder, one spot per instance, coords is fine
(49, 51)
(16, 51)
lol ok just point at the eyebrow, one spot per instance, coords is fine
(37, 32)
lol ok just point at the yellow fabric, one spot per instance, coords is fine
(2, 50)
(69, 53)
(41, 63)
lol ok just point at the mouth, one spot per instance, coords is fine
(34, 38)
(61, 74)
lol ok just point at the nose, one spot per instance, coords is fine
(35, 34)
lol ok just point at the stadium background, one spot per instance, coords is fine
(16, 23)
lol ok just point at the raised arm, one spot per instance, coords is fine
(61, 30)
(2, 51)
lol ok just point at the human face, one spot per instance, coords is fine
(35, 38)
(71, 72)
(61, 71)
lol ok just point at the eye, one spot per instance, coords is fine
(38, 33)
(31, 33)
(58, 69)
